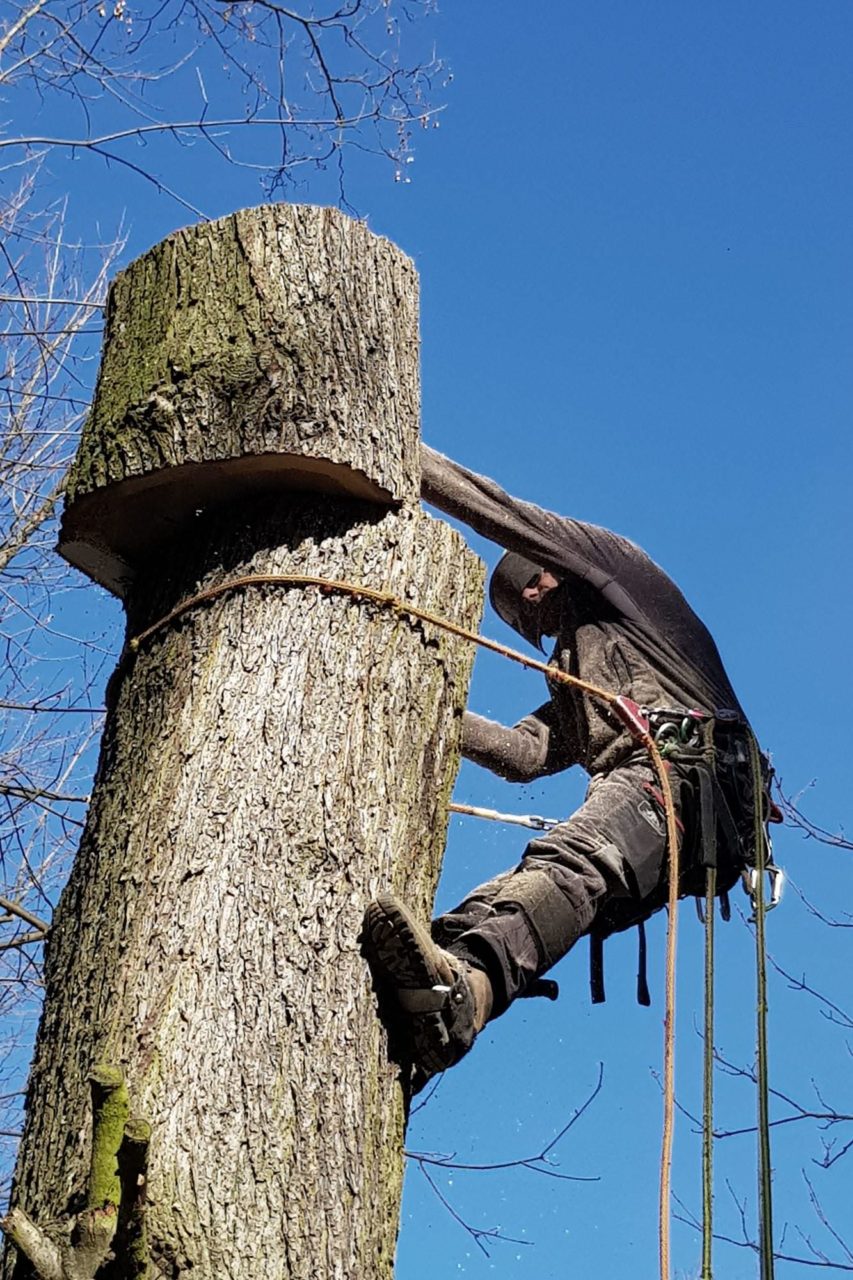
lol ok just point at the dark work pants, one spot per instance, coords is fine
(610, 854)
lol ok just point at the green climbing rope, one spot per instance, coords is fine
(708, 1081)
(765, 1175)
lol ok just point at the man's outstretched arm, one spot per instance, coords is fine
(557, 543)
(483, 505)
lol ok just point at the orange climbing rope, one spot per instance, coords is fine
(621, 708)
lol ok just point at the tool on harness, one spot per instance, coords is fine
(776, 877)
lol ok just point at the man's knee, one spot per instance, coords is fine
(580, 867)
(555, 919)
(473, 910)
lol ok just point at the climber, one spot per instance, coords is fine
(619, 622)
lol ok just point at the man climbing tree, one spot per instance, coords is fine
(622, 624)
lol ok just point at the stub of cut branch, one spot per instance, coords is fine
(110, 1110)
(79, 1259)
(39, 1249)
(131, 1242)
(113, 1217)
(91, 1240)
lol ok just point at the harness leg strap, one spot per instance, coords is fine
(597, 993)
(643, 994)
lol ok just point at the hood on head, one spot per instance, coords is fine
(512, 574)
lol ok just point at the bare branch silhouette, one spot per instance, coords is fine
(815, 1257)
(540, 1163)
(794, 817)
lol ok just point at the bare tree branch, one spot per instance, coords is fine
(794, 817)
(745, 1240)
(538, 1163)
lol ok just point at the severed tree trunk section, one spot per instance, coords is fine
(276, 348)
(271, 761)
(272, 758)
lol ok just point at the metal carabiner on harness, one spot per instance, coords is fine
(674, 728)
(776, 876)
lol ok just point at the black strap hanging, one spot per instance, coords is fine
(596, 968)
(643, 994)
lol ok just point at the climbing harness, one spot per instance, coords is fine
(711, 755)
(658, 733)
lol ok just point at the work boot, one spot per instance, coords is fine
(443, 1001)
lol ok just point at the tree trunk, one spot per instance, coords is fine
(272, 758)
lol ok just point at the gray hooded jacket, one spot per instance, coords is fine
(624, 625)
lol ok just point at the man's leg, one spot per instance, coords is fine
(475, 907)
(614, 846)
(515, 928)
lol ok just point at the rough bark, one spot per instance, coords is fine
(275, 348)
(271, 760)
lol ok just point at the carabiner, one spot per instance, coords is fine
(776, 877)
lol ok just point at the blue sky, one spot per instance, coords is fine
(633, 235)
(637, 311)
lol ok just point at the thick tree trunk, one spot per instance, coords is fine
(272, 758)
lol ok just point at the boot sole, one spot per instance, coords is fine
(399, 947)
(402, 954)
